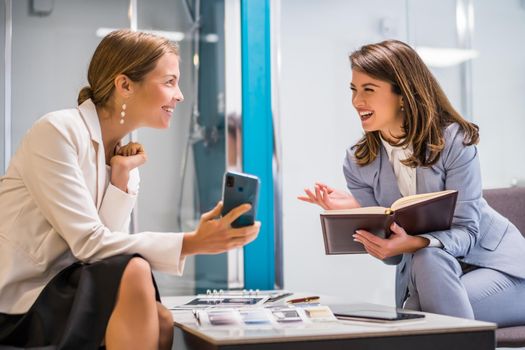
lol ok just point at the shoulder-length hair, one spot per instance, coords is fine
(427, 110)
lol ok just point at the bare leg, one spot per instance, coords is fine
(134, 323)
(166, 327)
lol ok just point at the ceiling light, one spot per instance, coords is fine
(445, 57)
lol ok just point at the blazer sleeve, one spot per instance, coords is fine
(361, 191)
(115, 209)
(54, 179)
(462, 173)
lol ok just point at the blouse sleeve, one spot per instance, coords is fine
(117, 205)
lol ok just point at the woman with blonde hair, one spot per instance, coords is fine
(415, 142)
(71, 277)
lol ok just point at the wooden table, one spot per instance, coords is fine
(435, 332)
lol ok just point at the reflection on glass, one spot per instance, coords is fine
(234, 142)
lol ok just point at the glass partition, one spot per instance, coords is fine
(166, 201)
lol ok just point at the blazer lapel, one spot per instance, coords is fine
(430, 179)
(387, 190)
(90, 116)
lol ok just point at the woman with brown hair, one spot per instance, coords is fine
(71, 277)
(415, 142)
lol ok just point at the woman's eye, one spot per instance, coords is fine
(170, 82)
(369, 90)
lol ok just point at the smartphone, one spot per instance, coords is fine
(240, 188)
(349, 312)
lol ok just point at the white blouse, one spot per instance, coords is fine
(406, 177)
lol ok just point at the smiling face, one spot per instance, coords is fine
(155, 97)
(377, 105)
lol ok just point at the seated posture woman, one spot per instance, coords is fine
(71, 277)
(415, 142)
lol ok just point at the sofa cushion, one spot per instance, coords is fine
(510, 336)
(509, 202)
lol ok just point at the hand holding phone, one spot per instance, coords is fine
(240, 188)
(214, 236)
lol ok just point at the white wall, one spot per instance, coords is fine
(499, 90)
(433, 24)
(51, 55)
(318, 124)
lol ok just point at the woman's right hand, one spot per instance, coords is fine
(215, 235)
(126, 158)
(329, 198)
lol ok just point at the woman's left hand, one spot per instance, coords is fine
(399, 242)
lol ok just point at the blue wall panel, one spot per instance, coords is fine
(259, 266)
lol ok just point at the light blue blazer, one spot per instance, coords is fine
(479, 235)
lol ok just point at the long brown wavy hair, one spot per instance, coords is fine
(427, 110)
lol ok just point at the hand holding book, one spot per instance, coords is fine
(422, 213)
(398, 242)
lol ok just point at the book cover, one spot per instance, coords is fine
(417, 214)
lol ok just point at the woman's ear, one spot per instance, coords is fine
(401, 103)
(123, 85)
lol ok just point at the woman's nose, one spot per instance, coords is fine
(358, 100)
(179, 96)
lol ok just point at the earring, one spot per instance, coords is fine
(123, 113)
(402, 109)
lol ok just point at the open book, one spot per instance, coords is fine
(417, 214)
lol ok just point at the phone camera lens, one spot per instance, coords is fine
(230, 181)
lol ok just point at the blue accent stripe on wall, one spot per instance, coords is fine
(259, 256)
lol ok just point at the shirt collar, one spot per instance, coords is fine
(406, 151)
(88, 112)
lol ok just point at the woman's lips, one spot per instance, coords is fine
(365, 115)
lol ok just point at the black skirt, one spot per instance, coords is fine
(73, 310)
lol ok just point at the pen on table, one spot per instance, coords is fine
(197, 317)
(303, 300)
(278, 297)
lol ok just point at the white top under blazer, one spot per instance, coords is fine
(57, 208)
(406, 177)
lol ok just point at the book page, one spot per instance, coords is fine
(418, 198)
(363, 210)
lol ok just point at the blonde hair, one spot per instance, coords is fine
(133, 54)
(427, 109)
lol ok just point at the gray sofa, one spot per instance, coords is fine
(510, 202)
